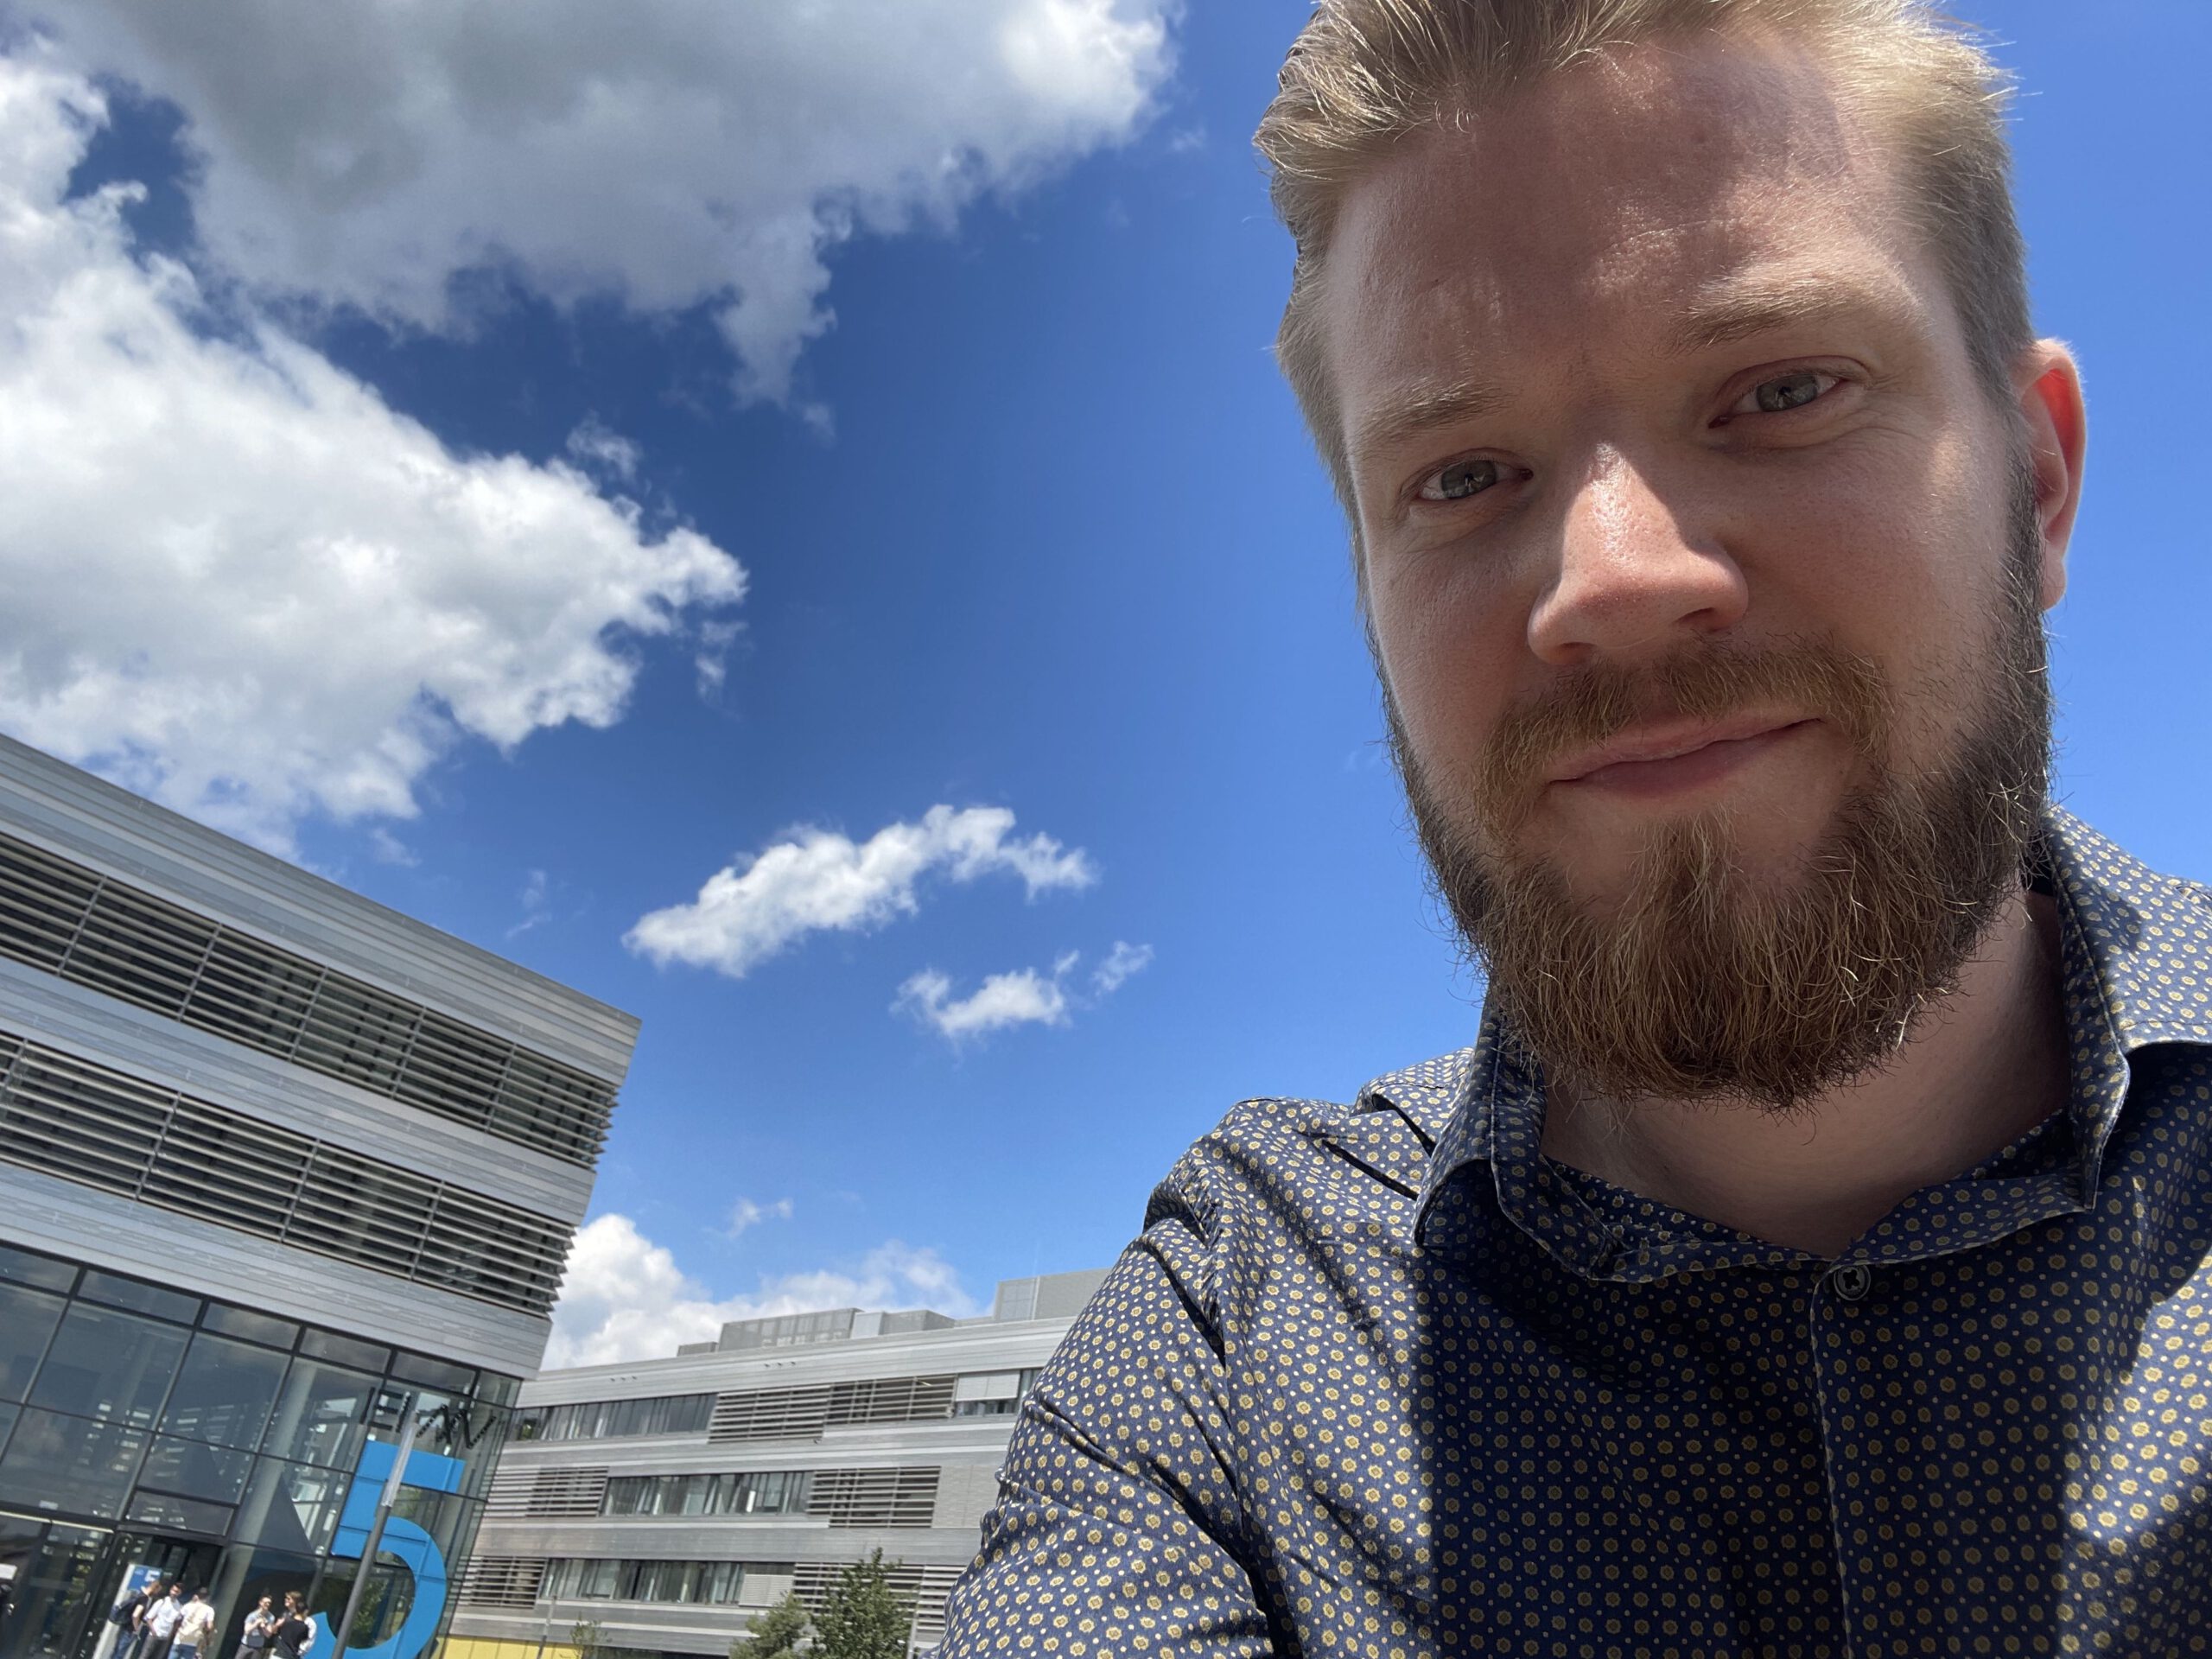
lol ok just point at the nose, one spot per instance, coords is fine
(1634, 573)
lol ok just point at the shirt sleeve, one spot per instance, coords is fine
(1119, 1529)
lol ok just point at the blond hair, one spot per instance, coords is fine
(1365, 74)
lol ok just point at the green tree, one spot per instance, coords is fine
(776, 1633)
(860, 1618)
(588, 1637)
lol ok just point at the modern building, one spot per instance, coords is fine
(281, 1172)
(667, 1502)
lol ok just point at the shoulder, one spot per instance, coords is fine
(1271, 1149)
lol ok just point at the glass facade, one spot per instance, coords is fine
(144, 1428)
(776, 1491)
(713, 1583)
(598, 1420)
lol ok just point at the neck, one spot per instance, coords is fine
(1983, 1066)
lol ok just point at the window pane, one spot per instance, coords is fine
(322, 1416)
(432, 1373)
(292, 1506)
(27, 1322)
(135, 1294)
(254, 1327)
(224, 1392)
(328, 1344)
(30, 1268)
(72, 1463)
(107, 1364)
(164, 1510)
(197, 1470)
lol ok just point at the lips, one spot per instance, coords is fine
(1668, 741)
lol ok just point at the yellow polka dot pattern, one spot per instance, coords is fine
(1381, 1381)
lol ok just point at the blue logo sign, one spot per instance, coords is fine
(431, 1472)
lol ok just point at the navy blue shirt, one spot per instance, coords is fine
(1383, 1380)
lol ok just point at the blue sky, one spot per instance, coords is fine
(718, 500)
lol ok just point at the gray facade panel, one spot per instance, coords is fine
(91, 821)
(99, 1028)
(107, 1230)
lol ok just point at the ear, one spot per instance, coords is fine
(2049, 387)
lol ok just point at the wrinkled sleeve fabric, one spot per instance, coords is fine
(1119, 1529)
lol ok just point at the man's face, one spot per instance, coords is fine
(1699, 566)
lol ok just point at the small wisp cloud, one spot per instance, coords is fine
(818, 881)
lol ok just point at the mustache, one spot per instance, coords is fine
(1708, 681)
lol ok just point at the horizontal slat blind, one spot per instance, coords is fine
(546, 1491)
(874, 1497)
(771, 1414)
(131, 944)
(92, 1124)
(502, 1580)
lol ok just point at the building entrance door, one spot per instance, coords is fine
(126, 1561)
(49, 1578)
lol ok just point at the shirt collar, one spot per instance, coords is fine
(2135, 966)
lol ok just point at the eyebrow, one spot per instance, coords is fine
(1421, 410)
(1748, 311)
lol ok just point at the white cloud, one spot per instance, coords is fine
(1024, 997)
(626, 1299)
(595, 443)
(536, 899)
(237, 581)
(747, 1212)
(664, 152)
(818, 879)
(388, 849)
(1122, 961)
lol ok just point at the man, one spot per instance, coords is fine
(157, 1626)
(127, 1618)
(1808, 1259)
(194, 1629)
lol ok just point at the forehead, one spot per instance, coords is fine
(1600, 206)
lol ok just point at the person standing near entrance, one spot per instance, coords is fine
(128, 1618)
(194, 1629)
(291, 1633)
(253, 1641)
(157, 1626)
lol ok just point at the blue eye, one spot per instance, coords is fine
(1460, 480)
(1783, 392)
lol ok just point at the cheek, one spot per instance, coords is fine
(1894, 556)
(1450, 645)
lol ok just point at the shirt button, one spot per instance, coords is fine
(1852, 1282)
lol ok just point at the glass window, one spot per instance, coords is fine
(30, 1268)
(197, 1470)
(189, 1514)
(322, 1416)
(109, 1364)
(721, 1583)
(56, 1568)
(27, 1322)
(292, 1506)
(600, 1580)
(135, 1293)
(8, 1416)
(224, 1392)
(251, 1327)
(346, 1350)
(72, 1464)
(432, 1373)
(667, 1581)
